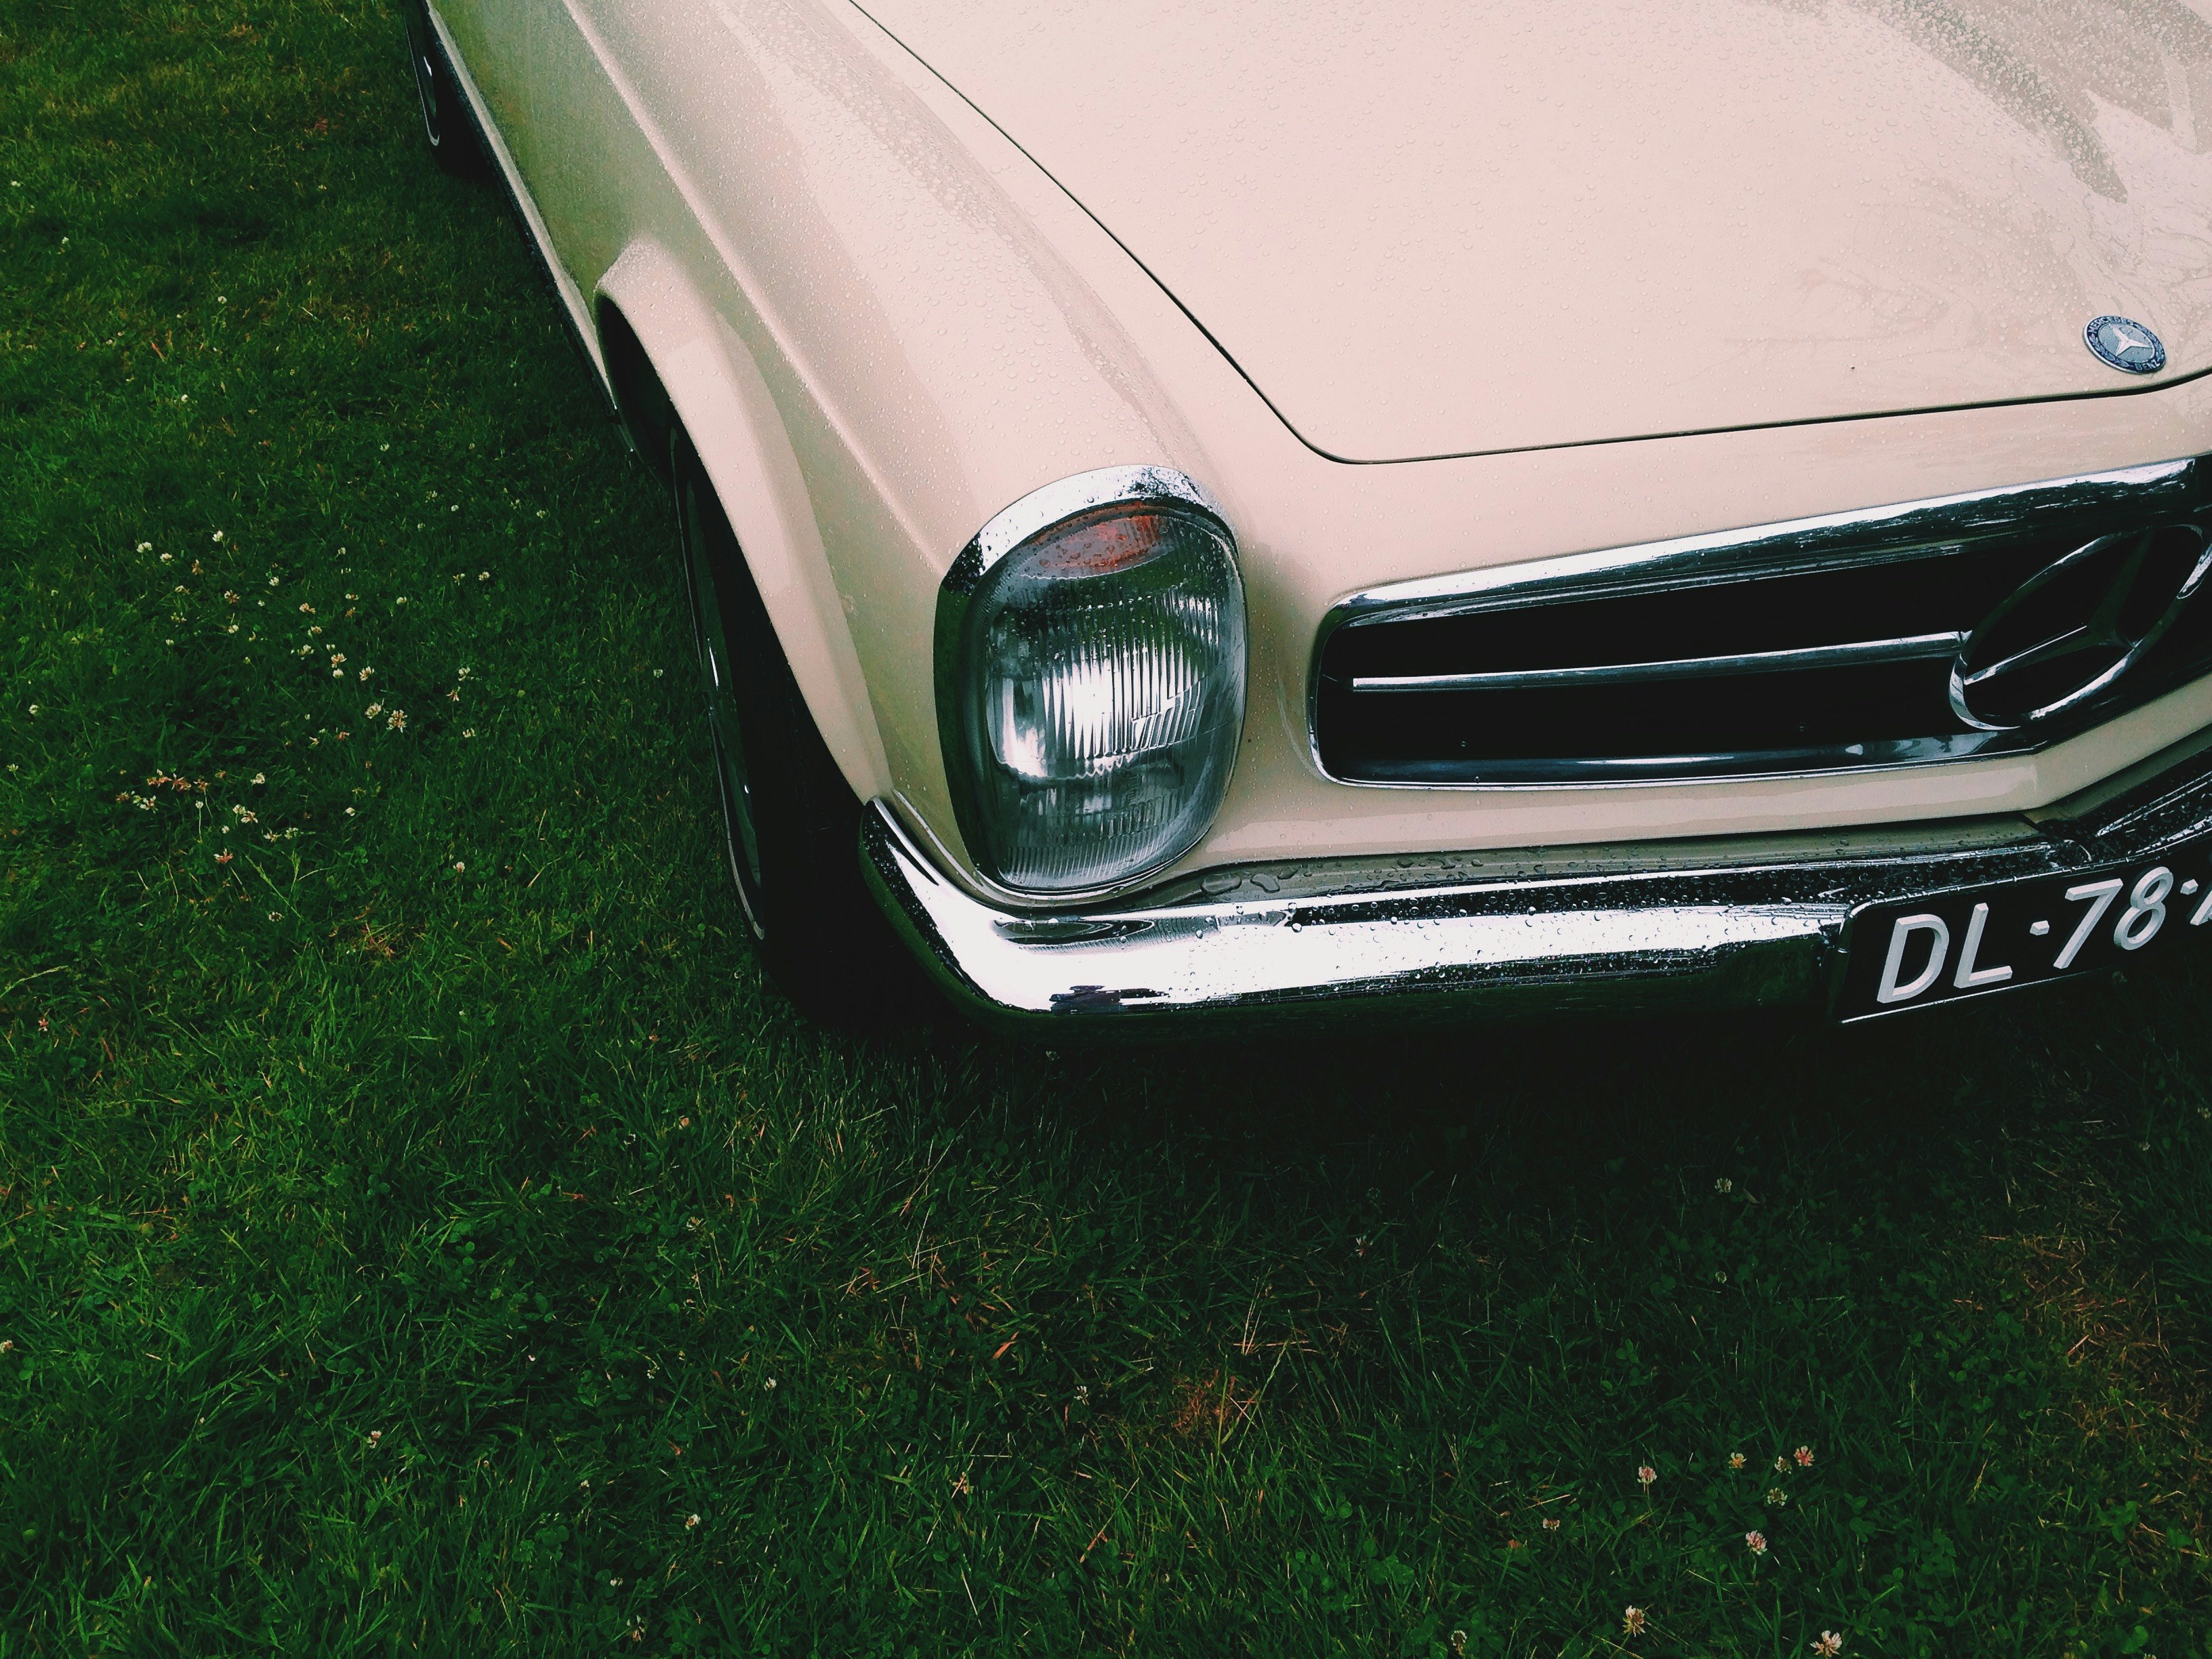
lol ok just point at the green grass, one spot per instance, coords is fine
(419, 1231)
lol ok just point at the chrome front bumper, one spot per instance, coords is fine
(1753, 922)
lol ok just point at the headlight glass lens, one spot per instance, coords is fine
(1102, 698)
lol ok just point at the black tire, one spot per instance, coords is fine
(447, 121)
(790, 823)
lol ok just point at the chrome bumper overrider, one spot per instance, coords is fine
(1672, 925)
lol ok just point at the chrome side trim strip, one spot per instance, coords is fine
(1916, 648)
(575, 311)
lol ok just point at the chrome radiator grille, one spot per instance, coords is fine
(1936, 630)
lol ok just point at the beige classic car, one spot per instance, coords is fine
(1206, 510)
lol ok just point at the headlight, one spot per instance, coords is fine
(1090, 679)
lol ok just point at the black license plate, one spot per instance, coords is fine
(1909, 953)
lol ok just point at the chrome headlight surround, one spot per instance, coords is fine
(1090, 677)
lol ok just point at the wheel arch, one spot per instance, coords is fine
(671, 358)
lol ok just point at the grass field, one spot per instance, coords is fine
(419, 1230)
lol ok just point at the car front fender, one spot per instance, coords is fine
(716, 390)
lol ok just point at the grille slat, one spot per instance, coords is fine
(1919, 648)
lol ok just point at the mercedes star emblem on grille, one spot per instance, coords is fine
(2125, 345)
(2067, 633)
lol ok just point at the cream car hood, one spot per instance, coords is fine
(1441, 227)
